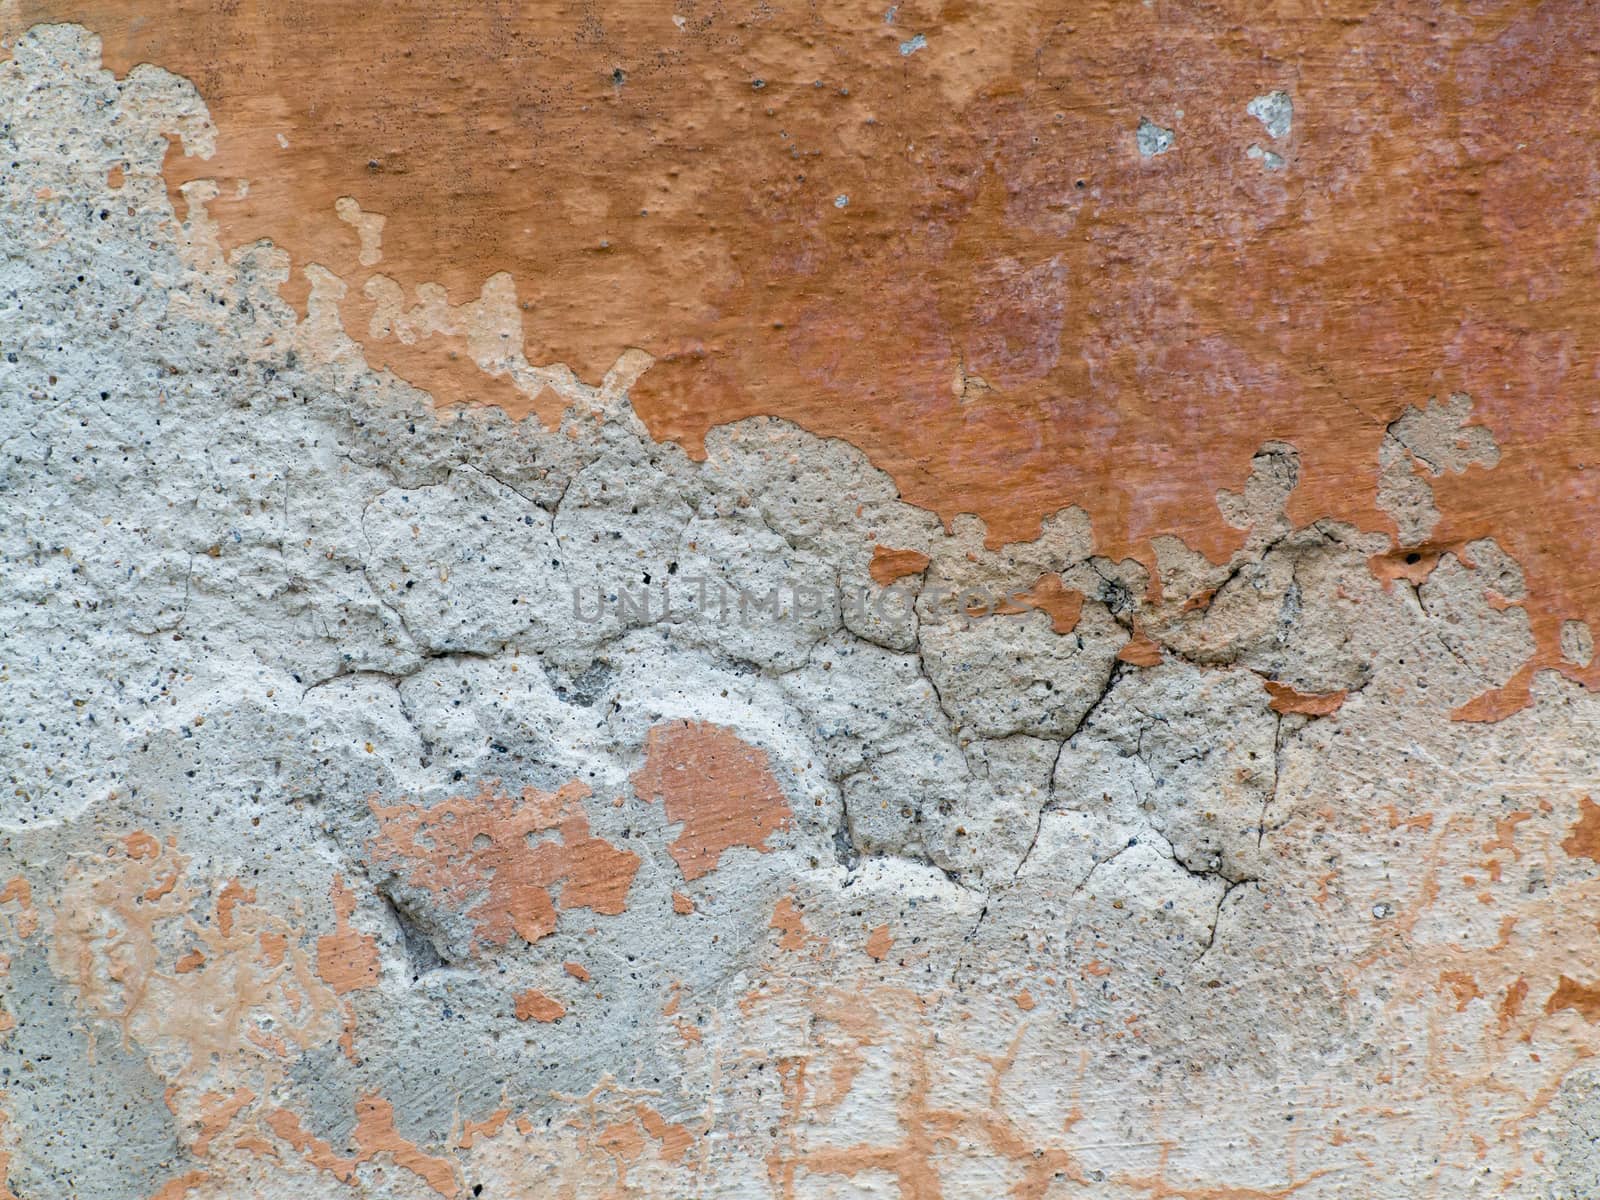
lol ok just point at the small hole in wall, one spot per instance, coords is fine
(1413, 558)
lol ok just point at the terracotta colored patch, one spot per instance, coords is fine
(1062, 604)
(232, 894)
(1047, 326)
(791, 925)
(878, 943)
(1498, 602)
(1505, 833)
(189, 962)
(1511, 1005)
(347, 959)
(1025, 1000)
(1286, 699)
(577, 971)
(177, 1189)
(1462, 985)
(273, 946)
(534, 1005)
(1499, 703)
(1571, 994)
(681, 904)
(718, 786)
(471, 1131)
(219, 1111)
(474, 854)
(889, 565)
(374, 1134)
(1584, 840)
(674, 1138)
(1140, 650)
(1413, 564)
(163, 887)
(488, 1127)
(1420, 821)
(19, 891)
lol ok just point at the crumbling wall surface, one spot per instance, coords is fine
(408, 796)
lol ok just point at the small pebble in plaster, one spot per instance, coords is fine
(912, 46)
(841, 200)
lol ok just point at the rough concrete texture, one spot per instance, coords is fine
(409, 800)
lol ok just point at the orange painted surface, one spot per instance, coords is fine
(18, 891)
(1584, 839)
(475, 853)
(955, 257)
(1062, 604)
(218, 1114)
(674, 1137)
(1583, 998)
(191, 961)
(790, 924)
(347, 959)
(177, 1189)
(1141, 650)
(119, 951)
(879, 943)
(374, 1135)
(889, 565)
(1286, 699)
(534, 1005)
(718, 786)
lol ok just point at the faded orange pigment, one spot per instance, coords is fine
(474, 853)
(889, 565)
(347, 959)
(719, 787)
(1584, 839)
(790, 924)
(958, 261)
(374, 1134)
(878, 943)
(1286, 699)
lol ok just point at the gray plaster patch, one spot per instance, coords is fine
(1269, 160)
(1152, 138)
(1275, 111)
(92, 1125)
(1431, 440)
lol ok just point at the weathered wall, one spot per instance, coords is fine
(1166, 772)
